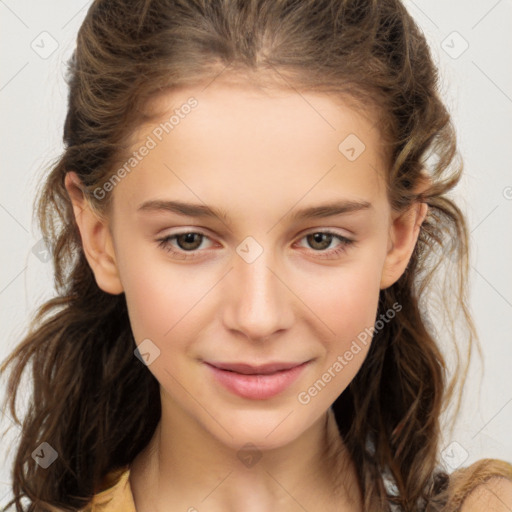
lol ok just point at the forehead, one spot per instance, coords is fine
(241, 142)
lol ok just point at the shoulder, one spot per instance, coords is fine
(117, 495)
(495, 495)
(484, 485)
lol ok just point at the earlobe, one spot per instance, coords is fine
(403, 236)
(96, 238)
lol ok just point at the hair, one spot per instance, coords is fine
(90, 392)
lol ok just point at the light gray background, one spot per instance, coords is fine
(477, 86)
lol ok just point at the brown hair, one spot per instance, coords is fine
(90, 392)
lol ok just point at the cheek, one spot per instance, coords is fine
(346, 298)
(161, 298)
(346, 303)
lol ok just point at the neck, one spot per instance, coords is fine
(185, 468)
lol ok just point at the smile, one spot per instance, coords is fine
(256, 382)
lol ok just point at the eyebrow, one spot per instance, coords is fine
(201, 210)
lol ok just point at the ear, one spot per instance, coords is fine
(96, 238)
(403, 235)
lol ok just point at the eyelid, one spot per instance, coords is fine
(331, 231)
(194, 231)
(309, 231)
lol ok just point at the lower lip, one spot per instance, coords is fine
(257, 387)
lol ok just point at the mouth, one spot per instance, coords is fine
(249, 369)
(256, 382)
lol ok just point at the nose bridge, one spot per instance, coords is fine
(258, 299)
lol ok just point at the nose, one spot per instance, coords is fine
(259, 302)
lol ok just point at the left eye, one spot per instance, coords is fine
(321, 237)
(190, 241)
(324, 239)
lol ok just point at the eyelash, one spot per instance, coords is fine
(164, 243)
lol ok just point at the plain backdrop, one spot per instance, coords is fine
(472, 44)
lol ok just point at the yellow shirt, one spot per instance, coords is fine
(119, 497)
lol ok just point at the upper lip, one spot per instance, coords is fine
(252, 369)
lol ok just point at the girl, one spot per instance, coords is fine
(245, 224)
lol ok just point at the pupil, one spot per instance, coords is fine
(188, 238)
(317, 238)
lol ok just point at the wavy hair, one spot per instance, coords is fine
(90, 392)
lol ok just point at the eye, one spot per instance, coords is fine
(190, 241)
(321, 240)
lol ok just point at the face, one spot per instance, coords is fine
(253, 297)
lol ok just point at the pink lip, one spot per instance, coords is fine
(256, 382)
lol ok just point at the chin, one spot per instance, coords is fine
(267, 430)
(245, 439)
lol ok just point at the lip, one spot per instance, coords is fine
(256, 382)
(253, 369)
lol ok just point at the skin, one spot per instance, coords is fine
(261, 156)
